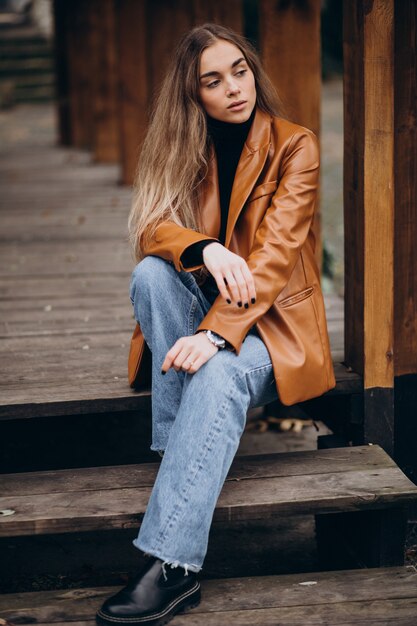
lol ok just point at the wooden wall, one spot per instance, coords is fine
(112, 55)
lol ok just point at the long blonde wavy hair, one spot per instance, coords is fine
(174, 157)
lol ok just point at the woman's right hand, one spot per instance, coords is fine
(231, 273)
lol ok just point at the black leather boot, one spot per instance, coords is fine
(153, 596)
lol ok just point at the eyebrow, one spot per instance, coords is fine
(215, 73)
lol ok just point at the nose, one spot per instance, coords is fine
(232, 88)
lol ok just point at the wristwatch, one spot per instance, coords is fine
(215, 339)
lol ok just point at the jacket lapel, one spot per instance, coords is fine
(249, 168)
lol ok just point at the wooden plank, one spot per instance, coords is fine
(81, 222)
(348, 597)
(50, 287)
(96, 374)
(379, 194)
(65, 318)
(114, 507)
(404, 611)
(80, 258)
(244, 467)
(93, 398)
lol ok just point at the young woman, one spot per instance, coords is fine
(226, 294)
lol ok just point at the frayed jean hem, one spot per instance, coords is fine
(158, 450)
(172, 562)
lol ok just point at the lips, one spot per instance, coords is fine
(236, 104)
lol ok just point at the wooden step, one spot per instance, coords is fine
(377, 596)
(87, 317)
(23, 66)
(355, 478)
(358, 495)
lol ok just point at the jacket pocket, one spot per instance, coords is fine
(263, 190)
(297, 297)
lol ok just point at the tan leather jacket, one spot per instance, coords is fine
(270, 226)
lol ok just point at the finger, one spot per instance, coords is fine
(243, 288)
(250, 283)
(171, 356)
(220, 281)
(188, 362)
(181, 357)
(232, 285)
(197, 363)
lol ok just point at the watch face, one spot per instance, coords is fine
(219, 340)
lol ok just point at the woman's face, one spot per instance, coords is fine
(227, 84)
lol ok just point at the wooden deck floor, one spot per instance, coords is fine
(65, 269)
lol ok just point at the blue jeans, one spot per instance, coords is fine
(197, 419)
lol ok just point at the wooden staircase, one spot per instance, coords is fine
(64, 274)
(358, 496)
(27, 72)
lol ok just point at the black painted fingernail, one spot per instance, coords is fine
(229, 301)
(253, 300)
(246, 305)
(239, 304)
(162, 372)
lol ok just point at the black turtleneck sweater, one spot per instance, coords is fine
(228, 140)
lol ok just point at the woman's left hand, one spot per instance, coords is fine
(195, 349)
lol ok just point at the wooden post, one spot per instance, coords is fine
(104, 85)
(380, 219)
(80, 72)
(353, 160)
(133, 72)
(289, 37)
(228, 13)
(167, 21)
(146, 35)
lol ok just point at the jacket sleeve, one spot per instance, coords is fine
(171, 240)
(278, 240)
